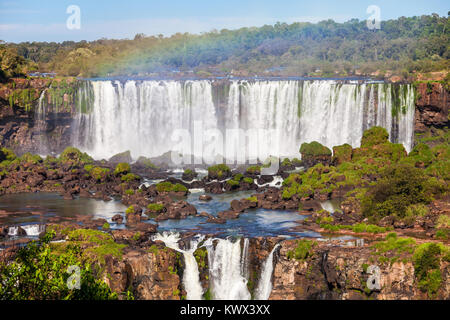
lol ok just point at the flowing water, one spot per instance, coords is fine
(228, 268)
(277, 116)
(265, 284)
(191, 277)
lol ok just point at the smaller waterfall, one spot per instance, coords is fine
(32, 230)
(191, 276)
(265, 283)
(244, 259)
(228, 268)
(41, 125)
(227, 280)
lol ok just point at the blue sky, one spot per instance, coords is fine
(45, 20)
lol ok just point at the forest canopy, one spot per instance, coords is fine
(401, 46)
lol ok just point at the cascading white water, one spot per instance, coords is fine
(141, 116)
(227, 278)
(265, 282)
(191, 276)
(32, 230)
(40, 115)
(228, 268)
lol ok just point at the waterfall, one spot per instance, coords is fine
(265, 283)
(276, 117)
(228, 268)
(227, 281)
(32, 230)
(41, 125)
(244, 259)
(191, 276)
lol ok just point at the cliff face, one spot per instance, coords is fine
(149, 275)
(431, 107)
(23, 129)
(331, 272)
(340, 273)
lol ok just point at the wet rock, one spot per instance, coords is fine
(227, 215)
(205, 197)
(21, 232)
(124, 157)
(146, 228)
(214, 188)
(35, 180)
(189, 175)
(216, 220)
(431, 107)
(117, 219)
(177, 210)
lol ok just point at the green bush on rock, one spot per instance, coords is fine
(76, 156)
(155, 207)
(169, 187)
(7, 154)
(219, 171)
(342, 154)
(426, 260)
(399, 187)
(374, 136)
(98, 173)
(40, 272)
(122, 168)
(129, 177)
(314, 149)
(302, 251)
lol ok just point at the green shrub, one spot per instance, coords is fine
(248, 180)
(233, 183)
(443, 221)
(169, 187)
(252, 199)
(238, 177)
(31, 158)
(129, 177)
(219, 171)
(122, 169)
(342, 154)
(426, 260)
(443, 234)
(399, 187)
(129, 192)
(303, 250)
(421, 153)
(130, 210)
(314, 149)
(374, 136)
(74, 155)
(7, 154)
(40, 273)
(254, 170)
(155, 207)
(178, 187)
(98, 173)
(395, 244)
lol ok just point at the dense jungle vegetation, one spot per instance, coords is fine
(401, 47)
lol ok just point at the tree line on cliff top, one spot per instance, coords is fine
(402, 46)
